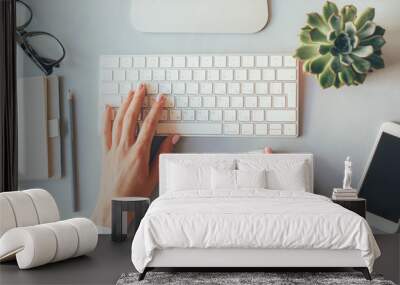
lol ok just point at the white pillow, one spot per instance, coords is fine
(185, 175)
(291, 175)
(237, 179)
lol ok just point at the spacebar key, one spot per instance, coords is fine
(189, 129)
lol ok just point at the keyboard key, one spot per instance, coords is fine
(237, 102)
(110, 61)
(275, 88)
(119, 75)
(215, 115)
(199, 75)
(248, 61)
(206, 88)
(279, 102)
(276, 60)
(145, 75)
(185, 74)
(261, 61)
(125, 61)
(281, 115)
(125, 87)
(193, 61)
(179, 61)
(257, 115)
(220, 61)
(206, 61)
(261, 129)
(290, 91)
(164, 88)
(231, 129)
(109, 88)
(190, 129)
(152, 61)
(244, 115)
(164, 115)
(172, 75)
(152, 88)
(165, 61)
(139, 62)
(241, 74)
(275, 129)
(188, 115)
(254, 74)
(195, 102)
(251, 102)
(275, 132)
(132, 75)
(247, 129)
(159, 74)
(213, 74)
(290, 129)
(208, 102)
(202, 115)
(234, 88)
(178, 88)
(230, 115)
(227, 74)
(234, 61)
(175, 115)
(192, 88)
(261, 88)
(286, 74)
(265, 101)
(290, 61)
(247, 88)
(106, 75)
(182, 101)
(222, 102)
(220, 88)
(112, 100)
(268, 74)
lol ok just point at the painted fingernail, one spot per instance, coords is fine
(175, 139)
(160, 97)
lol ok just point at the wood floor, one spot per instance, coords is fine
(110, 260)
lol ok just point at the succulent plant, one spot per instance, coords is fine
(339, 47)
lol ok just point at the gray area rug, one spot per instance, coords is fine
(269, 278)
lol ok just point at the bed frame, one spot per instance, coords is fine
(242, 259)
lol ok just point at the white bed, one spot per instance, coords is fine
(205, 226)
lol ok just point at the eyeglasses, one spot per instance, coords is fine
(44, 49)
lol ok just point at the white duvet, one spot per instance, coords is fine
(251, 218)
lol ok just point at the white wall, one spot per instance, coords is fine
(334, 123)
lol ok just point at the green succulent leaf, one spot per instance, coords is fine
(305, 37)
(306, 65)
(347, 76)
(350, 29)
(379, 31)
(327, 77)
(306, 52)
(336, 65)
(367, 30)
(367, 15)
(317, 36)
(376, 41)
(345, 59)
(348, 13)
(359, 78)
(338, 83)
(335, 22)
(363, 51)
(332, 36)
(343, 43)
(360, 65)
(329, 9)
(376, 61)
(319, 63)
(324, 49)
(316, 21)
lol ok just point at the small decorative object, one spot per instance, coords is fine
(347, 174)
(341, 47)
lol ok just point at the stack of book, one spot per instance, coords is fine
(344, 194)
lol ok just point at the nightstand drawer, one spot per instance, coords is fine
(358, 206)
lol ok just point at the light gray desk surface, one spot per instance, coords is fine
(334, 123)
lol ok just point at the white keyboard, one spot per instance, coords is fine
(210, 95)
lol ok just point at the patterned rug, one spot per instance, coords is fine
(244, 278)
